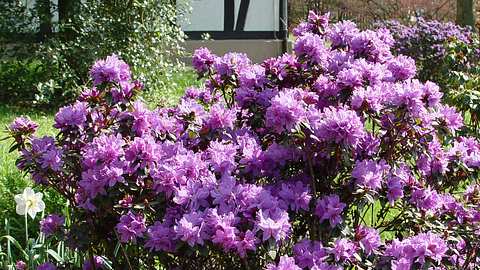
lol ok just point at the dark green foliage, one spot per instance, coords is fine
(44, 68)
(461, 79)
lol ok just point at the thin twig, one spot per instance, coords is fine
(123, 251)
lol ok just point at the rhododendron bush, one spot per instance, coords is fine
(447, 54)
(334, 157)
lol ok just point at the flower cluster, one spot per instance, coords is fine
(447, 54)
(333, 152)
(434, 32)
(51, 224)
(429, 42)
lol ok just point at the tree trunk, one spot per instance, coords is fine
(466, 12)
(44, 11)
(66, 9)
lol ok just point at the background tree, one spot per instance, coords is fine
(466, 14)
(44, 13)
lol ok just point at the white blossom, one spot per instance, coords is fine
(29, 202)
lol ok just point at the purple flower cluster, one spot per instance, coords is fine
(97, 261)
(73, 115)
(44, 155)
(110, 70)
(20, 265)
(51, 224)
(330, 208)
(369, 174)
(427, 41)
(47, 266)
(409, 38)
(309, 159)
(285, 263)
(131, 227)
(284, 112)
(417, 249)
(22, 126)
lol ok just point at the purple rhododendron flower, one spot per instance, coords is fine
(97, 261)
(417, 249)
(368, 238)
(230, 62)
(46, 266)
(309, 253)
(402, 67)
(338, 125)
(253, 76)
(220, 117)
(20, 265)
(369, 174)
(191, 228)
(312, 47)
(203, 60)
(350, 78)
(342, 33)
(45, 153)
(131, 227)
(285, 263)
(426, 199)
(273, 225)
(51, 224)
(71, 116)
(112, 69)
(432, 93)
(295, 195)
(330, 208)
(222, 157)
(246, 243)
(453, 120)
(160, 237)
(286, 110)
(343, 250)
(22, 126)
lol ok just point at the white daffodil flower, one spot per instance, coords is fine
(29, 202)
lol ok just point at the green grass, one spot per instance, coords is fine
(173, 88)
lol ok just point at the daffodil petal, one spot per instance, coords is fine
(18, 198)
(20, 209)
(28, 192)
(32, 212)
(40, 206)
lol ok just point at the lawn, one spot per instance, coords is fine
(178, 82)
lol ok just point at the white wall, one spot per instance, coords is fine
(207, 15)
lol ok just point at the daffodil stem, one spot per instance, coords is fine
(27, 244)
(26, 230)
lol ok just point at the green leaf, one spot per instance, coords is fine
(117, 249)
(55, 255)
(272, 254)
(272, 249)
(107, 264)
(16, 244)
(13, 148)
